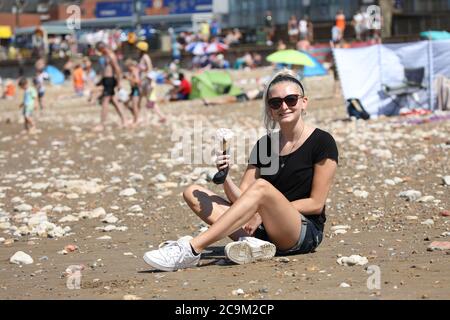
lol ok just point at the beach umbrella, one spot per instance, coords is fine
(216, 47)
(290, 56)
(196, 48)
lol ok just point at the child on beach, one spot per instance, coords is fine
(78, 80)
(39, 80)
(135, 84)
(28, 104)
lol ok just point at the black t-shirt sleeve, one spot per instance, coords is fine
(326, 148)
(260, 154)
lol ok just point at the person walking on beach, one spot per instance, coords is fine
(280, 204)
(111, 76)
(135, 85)
(148, 86)
(39, 82)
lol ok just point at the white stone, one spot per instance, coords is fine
(135, 208)
(23, 207)
(21, 257)
(109, 228)
(68, 218)
(104, 238)
(97, 213)
(159, 178)
(389, 182)
(428, 222)
(238, 292)
(131, 297)
(361, 194)
(128, 192)
(352, 260)
(344, 285)
(16, 200)
(40, 186)
(446, 180)
(418, 157)
(425, 199)
(135, 177)
(72, 196)
(110, 218)
(410, 195)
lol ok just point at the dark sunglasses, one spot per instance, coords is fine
(290, 100)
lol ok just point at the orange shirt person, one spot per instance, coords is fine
(78, 80)
(340, 21)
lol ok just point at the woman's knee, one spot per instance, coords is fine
(189, 194)
(260, 186)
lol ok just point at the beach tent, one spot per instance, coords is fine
(316, 70)
(212, 84)
(56, 76)
(365, 72)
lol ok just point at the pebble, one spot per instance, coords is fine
(446, 180)
(361, 194)
(131, 297)
(20, 258)
(23, 207)
(340, 229)
(410, 195)
(110, 218)
(283, 259)
(445, 213)
(104, 238)
(352, 260)
(425, 199)
(344, 285)
(128, 192)
(428, 222)
(68, 218)
(238, 292)
(418, 157)
(135, 208)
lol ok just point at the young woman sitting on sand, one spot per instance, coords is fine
(279, 206)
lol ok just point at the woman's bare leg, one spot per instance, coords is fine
(116, 105)
(209, 206)
(281, 220)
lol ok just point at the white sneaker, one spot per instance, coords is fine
(172, 255)
(165, 243)
(249, 249)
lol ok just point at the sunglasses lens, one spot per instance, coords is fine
(291, 100)
(275, 103)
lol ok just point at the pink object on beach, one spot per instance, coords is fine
(445, 213)
(439, 245)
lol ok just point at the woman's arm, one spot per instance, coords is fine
(323, 178)
(232, 191)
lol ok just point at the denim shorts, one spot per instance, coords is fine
(309, 239)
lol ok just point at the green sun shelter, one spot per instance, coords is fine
(213, 83)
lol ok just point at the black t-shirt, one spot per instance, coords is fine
(292, 174)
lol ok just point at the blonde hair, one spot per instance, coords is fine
(284, 75)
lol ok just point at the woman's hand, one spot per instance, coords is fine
(253, 224)
(222, 161)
